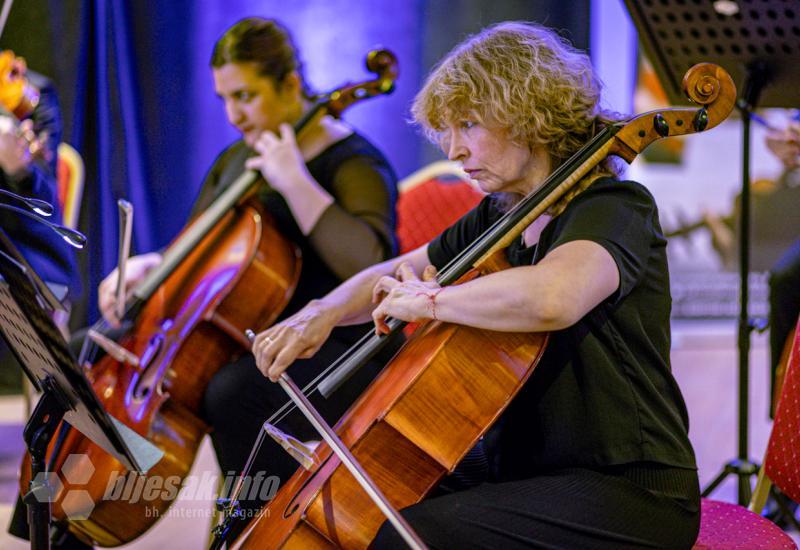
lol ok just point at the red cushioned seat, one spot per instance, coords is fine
(430, 201)
(728, 526)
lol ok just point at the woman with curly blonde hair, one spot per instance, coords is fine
(504, 82)
(594, 451)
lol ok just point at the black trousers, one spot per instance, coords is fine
(784, 302)
(570, 509)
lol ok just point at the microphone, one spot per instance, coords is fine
(73, 238)
(43, 208)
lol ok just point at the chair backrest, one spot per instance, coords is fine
(430, 200)
(70, 176)
(782, 459)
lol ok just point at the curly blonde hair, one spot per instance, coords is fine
(527, 81)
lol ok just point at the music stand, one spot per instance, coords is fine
(45, 357)
(758, 44)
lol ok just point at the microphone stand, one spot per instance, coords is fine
(73, 237)
(43, 208)
(742, 467)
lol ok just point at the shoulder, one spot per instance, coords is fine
(609, 197)
(608, 188)
(354, 152)
(235, 153)
(354, 145)
(609, 210)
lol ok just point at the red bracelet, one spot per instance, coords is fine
(432, 297)
(433, 302)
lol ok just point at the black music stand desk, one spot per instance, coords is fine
(758, 44)
(44, 355)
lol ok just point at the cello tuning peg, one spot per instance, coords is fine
(700, 120)
(661, 125)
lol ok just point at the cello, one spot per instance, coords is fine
(449, 383)
(228, 269)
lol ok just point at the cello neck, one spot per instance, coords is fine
(178, 252)
(706, 84)
(381, 62)
(227, 200)
(513, 223)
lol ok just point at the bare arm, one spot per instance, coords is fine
(554, 294)
(302, 334)
(568, 283)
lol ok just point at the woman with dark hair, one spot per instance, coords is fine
(593, 452)
(330, 191)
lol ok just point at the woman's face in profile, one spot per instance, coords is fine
(490, 158)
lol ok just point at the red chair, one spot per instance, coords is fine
(729, 526)
(430, 200)
(69, 175)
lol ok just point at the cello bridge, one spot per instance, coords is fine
(301, 452)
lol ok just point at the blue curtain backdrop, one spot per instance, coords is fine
(139, 102)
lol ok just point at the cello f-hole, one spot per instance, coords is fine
(143, 387)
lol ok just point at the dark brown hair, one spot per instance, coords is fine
(263, 42)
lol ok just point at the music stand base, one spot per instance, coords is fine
(38, 432)
(743, 470)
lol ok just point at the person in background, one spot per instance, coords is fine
(784, 276)
(28, 157)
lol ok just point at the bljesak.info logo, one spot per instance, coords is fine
(130, 487)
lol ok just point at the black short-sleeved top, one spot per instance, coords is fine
(356, 231)
(603, 393)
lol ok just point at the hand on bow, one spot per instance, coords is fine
(136, 270)
(15, 150)
(405, 296)
(297, 337)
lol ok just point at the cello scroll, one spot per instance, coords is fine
(707, 85)
(381, 62)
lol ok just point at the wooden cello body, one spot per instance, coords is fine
(243, 272)
(231, 269)
(449, 383)
(413, 425)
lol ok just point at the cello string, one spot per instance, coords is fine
(370, 337)
(313, 385)
(282, 413)
(247, 467)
